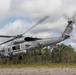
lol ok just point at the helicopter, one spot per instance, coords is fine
(24, 44)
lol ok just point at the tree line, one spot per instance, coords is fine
(58, 53)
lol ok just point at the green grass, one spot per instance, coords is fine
(50, 65)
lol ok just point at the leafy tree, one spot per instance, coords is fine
(55, 54)
(62, 53)
(46, 55)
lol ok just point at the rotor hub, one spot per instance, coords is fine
(70, 21)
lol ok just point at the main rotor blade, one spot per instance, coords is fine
(37, 24)
(6, 36)
(7, 41)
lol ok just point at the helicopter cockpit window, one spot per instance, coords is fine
(17, 47)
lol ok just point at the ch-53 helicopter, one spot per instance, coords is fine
(18, 46)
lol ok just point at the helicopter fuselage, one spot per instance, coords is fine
(24, 47)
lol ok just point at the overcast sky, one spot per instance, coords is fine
(16, 16)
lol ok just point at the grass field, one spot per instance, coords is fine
(50, 65)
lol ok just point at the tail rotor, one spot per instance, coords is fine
(71, 19)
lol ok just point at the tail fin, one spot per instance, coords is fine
(69, 28)
(67, 31)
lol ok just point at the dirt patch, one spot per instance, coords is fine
(38, 71)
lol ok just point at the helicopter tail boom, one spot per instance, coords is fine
(67, 31)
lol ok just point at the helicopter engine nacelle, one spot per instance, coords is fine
(31, 39)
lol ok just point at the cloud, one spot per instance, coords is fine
(73, 45)
(4, 6)
(35, 8)
(4, 10)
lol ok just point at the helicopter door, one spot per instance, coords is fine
(17, 47)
